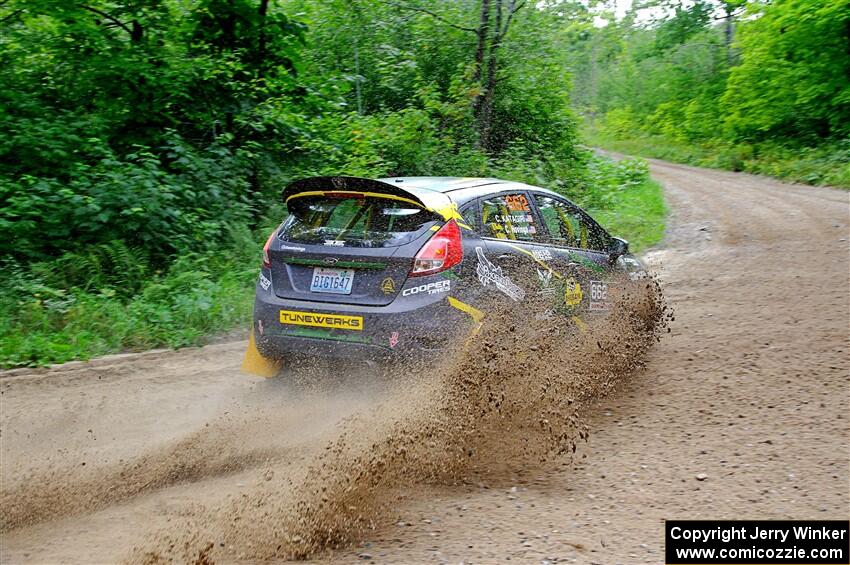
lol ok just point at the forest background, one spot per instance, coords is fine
(145, 142)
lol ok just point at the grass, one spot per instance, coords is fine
(638, 215)
(45, 321)
(81, 325)
(95, 324)
(108, 298)
(828, 164)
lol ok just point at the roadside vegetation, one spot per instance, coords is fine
(762, 87)
(826, 164)
(146, 143)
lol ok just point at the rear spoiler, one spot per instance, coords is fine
(313, 185)
(429, 200)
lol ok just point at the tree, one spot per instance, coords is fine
(794, 76)
(494, 22)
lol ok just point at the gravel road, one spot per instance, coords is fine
(740, 412)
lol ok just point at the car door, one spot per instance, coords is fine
(579, 249)
(511, 231)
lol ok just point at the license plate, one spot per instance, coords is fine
(334, 281)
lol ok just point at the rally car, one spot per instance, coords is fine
(382, 268)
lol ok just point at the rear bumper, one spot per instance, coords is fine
(283, 346)
(405, 328)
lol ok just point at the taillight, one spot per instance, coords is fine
(267, 263)
(443, 251)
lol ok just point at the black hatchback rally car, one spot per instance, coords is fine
(379, 269)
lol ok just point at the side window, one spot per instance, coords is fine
(568, 226)
(470, 215)
(508, 216)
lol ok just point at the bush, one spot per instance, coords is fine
(183, 199)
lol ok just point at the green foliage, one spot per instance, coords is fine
(180, 199)
(111, 267)
(682, 25)
(762, 88)
(794, 77)
(161, 123)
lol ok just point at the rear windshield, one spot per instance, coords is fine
(353, 221)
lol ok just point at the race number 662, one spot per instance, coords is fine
(598, 291)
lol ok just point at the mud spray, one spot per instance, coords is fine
(510, 399)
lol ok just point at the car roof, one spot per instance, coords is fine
(459, 189)
(440, 184)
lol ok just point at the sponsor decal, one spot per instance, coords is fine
(393, 340)
(435, 287)
(572, 292)
(335, 243)
(545, 278)
(388, 286)
(599, 295)
(517, 203)
(488, 273)
(291, 248)
(542, 254)
(337, 321)
(264, 282)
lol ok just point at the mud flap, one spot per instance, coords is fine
(255, 364)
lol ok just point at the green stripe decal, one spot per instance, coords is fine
(324, 334)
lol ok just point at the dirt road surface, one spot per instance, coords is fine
(741, 412)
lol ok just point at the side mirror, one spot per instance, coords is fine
(618, 247)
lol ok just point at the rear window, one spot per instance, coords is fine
(354, 221)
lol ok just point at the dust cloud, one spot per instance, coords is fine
(509, 399)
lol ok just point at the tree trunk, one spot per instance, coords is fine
(485, 120)
(729, 31)
(138, 32)
(483, 28)
(480, 52)
(357, 77)
(262, 40)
